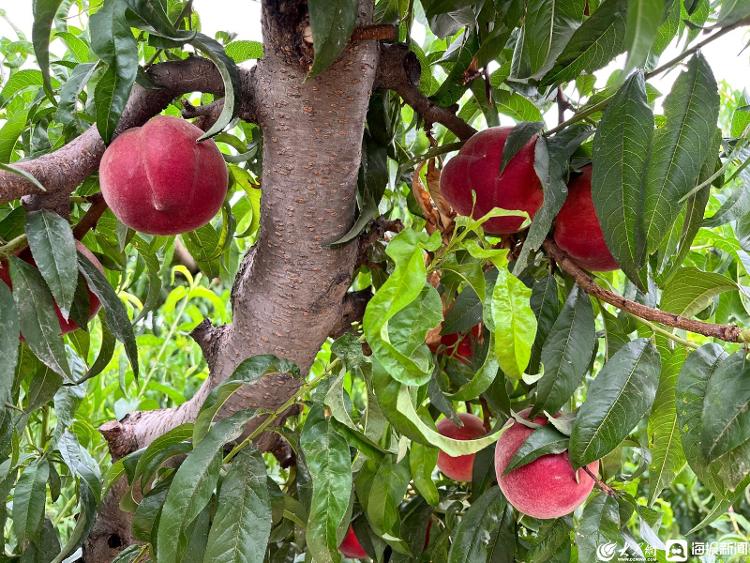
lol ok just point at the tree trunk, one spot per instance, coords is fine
(288, 293)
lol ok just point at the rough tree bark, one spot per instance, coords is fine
(289, 291)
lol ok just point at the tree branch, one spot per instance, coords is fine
(728, 333)
(65, 168)
(399, 70)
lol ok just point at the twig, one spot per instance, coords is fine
(399, 70)
(728, 333)
(91, 217)
(599, 483)
(379, 32)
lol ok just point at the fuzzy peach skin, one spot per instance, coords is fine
(69, 325)
(350, 546)
(546, 487)
(477, 167)
(459, 468)
(577, 228)
(158, 179)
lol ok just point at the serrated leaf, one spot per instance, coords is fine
(663, 430)
(593, 45)
(115, 314)
(487, 531)
(113, 42)
(542, 441)
(422, 462)
(551, 156)
(690, 395)
(330, 466)
(691, 290)
(621, 147)
(242, 524)
(521, 134)
(617, 400)
(679, 148)
(29, 499)
(44, 14)
(385, 495)
(566, 354)
(547, 27)
(230, 76)
(8, 344)
(600, 524)
(332, 23)
(54, 250)
(36, 313)
(243, 50)
(641, 26)
(70, 91)
(193, 484)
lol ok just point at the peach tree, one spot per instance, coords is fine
(435, 280)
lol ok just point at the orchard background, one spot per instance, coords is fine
(289, 375)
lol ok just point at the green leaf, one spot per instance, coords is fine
(330, 466)
(521, 134)
(332, 23)
(44, 14)
(54, 250)
(621, 148)
(566, 354)
(542, 441)
(691, 290)
(726, 409)
(36, 313)
(554, 541)
(599, 524)
(79, 77)
(548, 25)
(19, 82)
(193, 484)
(411, 364)
(242, 524)
(680, 147)
(113, 42)
(29, 499)
(593, 45)
(733, 11)
(422, 462)
(545, 303)
(482, 378)
(116, 315)
(230, 76)
(514, 323)
(617, 400)
(172, 443)
(428, 432)
(11, 130)
(385, 495)
(642, 24)
(242, 50)
(487, 531)
(664, 434)
(8, 344)
(551, 156)
(690, 395)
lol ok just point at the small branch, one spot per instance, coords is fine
(91, 217)
(599, 483)
(584, 113)
(399, 70)
(728, 333)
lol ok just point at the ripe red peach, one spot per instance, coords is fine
(158, 179)
(459, 468)
(350, 546)
(548, 487)
(477, 167)
(577, 228)
(68, 325)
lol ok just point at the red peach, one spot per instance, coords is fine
(158, 179)
(477, 167)
(577, 228)
(69, 325)
(459, 468)
(548, 486)
(350, 546)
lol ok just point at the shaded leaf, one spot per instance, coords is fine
(487, 531)
(691, 290)
(44, 14)
(332, 23)
(542, 441)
